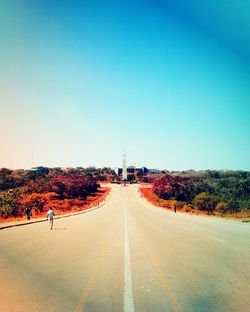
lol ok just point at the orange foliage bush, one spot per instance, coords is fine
(41, 203)
(148, 193)
(65, 205)
(35, 201)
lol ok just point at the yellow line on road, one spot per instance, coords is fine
(90, 283)
(163, 280)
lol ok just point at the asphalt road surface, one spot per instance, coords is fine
(126, 256)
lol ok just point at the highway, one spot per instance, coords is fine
(126, 256)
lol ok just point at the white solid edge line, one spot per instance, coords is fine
(128, 291)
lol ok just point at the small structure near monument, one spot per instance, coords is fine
(124, 169)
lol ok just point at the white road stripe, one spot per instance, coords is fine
(128, 291)
(217, 239)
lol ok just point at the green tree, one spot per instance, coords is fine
(221, 207)
(9, 201)
(206, 202)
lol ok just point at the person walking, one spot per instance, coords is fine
(28, 213)
(50, 217)
(175, 207)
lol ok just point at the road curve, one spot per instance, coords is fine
(126, 256)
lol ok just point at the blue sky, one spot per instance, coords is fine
(168, 81)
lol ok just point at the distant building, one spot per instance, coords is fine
(153, 170)
(132, 170)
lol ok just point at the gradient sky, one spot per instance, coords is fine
(168, 81)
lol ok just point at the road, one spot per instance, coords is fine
(126, 256)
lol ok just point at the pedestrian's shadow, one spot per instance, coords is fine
(59, 229)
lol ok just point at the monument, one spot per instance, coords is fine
(124, 168)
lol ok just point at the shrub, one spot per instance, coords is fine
(206, 202)
(35, 201)
(221, 207)
(9, 203)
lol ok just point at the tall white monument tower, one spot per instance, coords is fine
(124, 168)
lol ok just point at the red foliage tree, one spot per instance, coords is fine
(35, 201)
(172, 186)
(73, 185)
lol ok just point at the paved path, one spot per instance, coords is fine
(126, 256)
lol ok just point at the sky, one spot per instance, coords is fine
(166, 81)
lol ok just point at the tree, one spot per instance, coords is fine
(221, 207)
(9, 201)
(72, 185)
(35, 201)
(206, 202)
(174, 186)
(6, 180)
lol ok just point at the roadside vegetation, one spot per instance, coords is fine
(224, 193)
(66, 190)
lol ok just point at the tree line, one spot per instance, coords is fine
(210, 191)
(42, 187)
